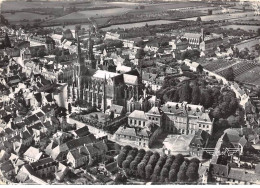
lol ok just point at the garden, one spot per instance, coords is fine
(150, 166)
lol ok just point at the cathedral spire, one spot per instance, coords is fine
(104, 95)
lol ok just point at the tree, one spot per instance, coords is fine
(155, 136)
(41, 53)
(199, 19)
(69, 108)
(121, 157)
(173, 175)
(230, 76)
(141, 170)
(164, 174)
(185, 92)
(195, 94)
(7, 42)
(192, 171)
(140, 54)
(148, 171)
(126, 164)
(120, 179)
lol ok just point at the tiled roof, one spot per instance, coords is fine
(155, 110)
(34, 153)
(42, 162)
(138, 115)
(126, 131)
(116, 108)
(130, 79)
(84, 131)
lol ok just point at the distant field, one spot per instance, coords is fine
(243, 27)
(11, 5)
(224, 16)
(24, 15)
(91, 13)
(138, 24)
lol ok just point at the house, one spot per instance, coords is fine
(83, 131)
(186, 118)
(180, 44)
(155, 116)
(77, 157)
(208, 47)
(44, 167)
(198, 142)
(112, 168)
(116, 111)
(135, 136)
(96, 152)
(60, 152)
(61, 172)
(233, 176)
(137, 118)
(61, 137)
(32, 155)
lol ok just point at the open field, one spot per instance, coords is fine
(138, 24)
(243, 27)
(24, 16)
(252, 76)
(91, 14)
(224, 16)
(19, 5)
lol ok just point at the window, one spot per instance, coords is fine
(130, 121)
(140, 122)
(149, 117)
(203, 126)
(153, 118)
(156, 119)
(207, 126)
(199, 125)
(143, 123)
(135, 122)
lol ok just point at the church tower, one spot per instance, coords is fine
(104, 97)
(79, 67)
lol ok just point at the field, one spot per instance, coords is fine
(19, 5)
(252, 76)
(91, 14)
(138, 24)
(248, 44)
(223, 16)
(218, 64)
(24, 16)
(239, 68)
(243, 27)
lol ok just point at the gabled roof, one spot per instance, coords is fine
(126, 131)
(130, 79)
(33, 153)
(84, 131)
(138, 114)
(42, 162)
(155, 110)
(117, 109)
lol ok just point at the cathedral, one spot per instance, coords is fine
(101, 88)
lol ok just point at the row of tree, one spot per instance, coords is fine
(151, 166)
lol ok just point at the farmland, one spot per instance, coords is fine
(243, 27)
(16, 17)
(251, 76)
(219, 64)
(223, 16)
(239, 68)
(139, 24)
